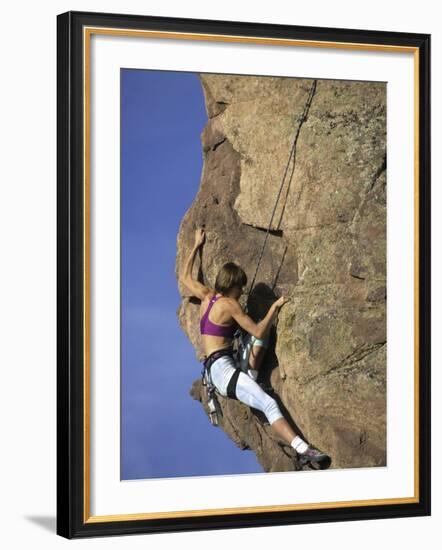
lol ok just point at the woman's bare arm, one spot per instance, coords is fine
(258, 330)
(198, 289)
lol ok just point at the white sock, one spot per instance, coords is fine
(253, 373)
(299, 445)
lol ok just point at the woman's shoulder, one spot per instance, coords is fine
(231, 303)
(209, 295)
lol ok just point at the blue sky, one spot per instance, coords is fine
(164, 432)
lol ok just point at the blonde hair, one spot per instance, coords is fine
(230, 276)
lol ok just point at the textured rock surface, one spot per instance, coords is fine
(326, 250)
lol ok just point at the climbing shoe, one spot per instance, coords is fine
(315, 457)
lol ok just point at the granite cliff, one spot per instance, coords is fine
(326, 249)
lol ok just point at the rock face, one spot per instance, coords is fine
(326, 250)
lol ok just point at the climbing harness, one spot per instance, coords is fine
(212, 400)
(215, 412)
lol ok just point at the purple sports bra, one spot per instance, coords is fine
(207, 327)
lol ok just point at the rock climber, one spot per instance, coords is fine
(219, 316)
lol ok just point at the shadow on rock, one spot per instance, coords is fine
(258, 304)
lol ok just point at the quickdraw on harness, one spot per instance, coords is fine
(240, 343)
(212, 401)
(215, 411)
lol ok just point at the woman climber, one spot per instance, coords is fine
(220, 315)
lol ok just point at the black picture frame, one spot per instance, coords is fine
(72, 508)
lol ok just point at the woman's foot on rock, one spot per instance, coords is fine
(315, 457)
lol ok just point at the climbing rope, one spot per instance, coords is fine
(292, 153)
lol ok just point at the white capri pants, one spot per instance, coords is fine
(247, 390)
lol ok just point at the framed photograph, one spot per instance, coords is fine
(243, 256)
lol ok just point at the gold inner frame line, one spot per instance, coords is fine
(87, 33)
(205, 37)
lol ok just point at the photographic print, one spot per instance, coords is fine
(253, 258)
(222, 248)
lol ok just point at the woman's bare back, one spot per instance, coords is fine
(219, 315)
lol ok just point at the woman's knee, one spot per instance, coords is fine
(272, 410)
(250, 393)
